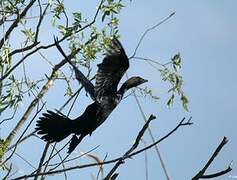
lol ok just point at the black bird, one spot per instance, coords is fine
(54, 127)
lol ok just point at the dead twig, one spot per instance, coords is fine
(201, 173)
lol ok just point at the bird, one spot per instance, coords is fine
(55, 126)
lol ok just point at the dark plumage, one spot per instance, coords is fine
(54, 127)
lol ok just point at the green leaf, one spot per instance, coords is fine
(77, 16)
(185, 101)
(170, 102)
(5, 55)
(69, 91)
(176, 61)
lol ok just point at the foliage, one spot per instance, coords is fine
(176, 81)
(85, 40)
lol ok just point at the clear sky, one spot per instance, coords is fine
(204, 32)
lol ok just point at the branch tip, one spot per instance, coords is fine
(225, 140)
(152, 117)
(172, 14)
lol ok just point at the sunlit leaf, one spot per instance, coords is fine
(185, 101)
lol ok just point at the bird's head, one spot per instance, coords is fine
(135, 81)
(130, 83)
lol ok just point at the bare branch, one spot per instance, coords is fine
(27, 127)
(25, 160)
(140, 108)
(72, 159)
(22, 139)
(9, 118)
(50, 155)
(221, 173)
(8, 172)
(152, 61)
(134, 146)
(42, 160)
(152, 137)
(150, 29)
(60, 157)
(201, 173)
(181, 124)
(145, 159)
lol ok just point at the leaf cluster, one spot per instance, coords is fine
(175, 80)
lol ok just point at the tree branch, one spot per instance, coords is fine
(8, 173)
(15, 23)
(150, 29)
(19, 139)
(181, 124)
(201, 173)
(138, 103)
(33, 104)
(134, 146)
(42, 160)
(221, 173)
(50, 45)
(35, 43)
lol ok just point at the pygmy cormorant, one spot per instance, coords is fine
(54, 126)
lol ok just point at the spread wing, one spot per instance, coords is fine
(111, 70)
(89, 87)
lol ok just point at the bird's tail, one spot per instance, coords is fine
(54, 127)
(74, 142)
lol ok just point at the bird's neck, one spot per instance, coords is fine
(125, 87)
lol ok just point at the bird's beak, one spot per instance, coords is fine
(144, 81)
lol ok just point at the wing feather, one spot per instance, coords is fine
(111, 70)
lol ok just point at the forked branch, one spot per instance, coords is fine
(201, 174)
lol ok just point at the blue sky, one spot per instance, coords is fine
(204, 32)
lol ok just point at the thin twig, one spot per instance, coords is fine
(25, 160)
(72, 159)
(214, 175)
(32, 105)
(35, 43)
(182, 123)
(152, 61)
(97, 159)
(50, 158)
(50, 45)
(15, 23)
(27, 127)
(9, 118)
(23, 139)
(139, 105)
(101, 170)
(146, 160)
(8, 172)
(150, 29)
